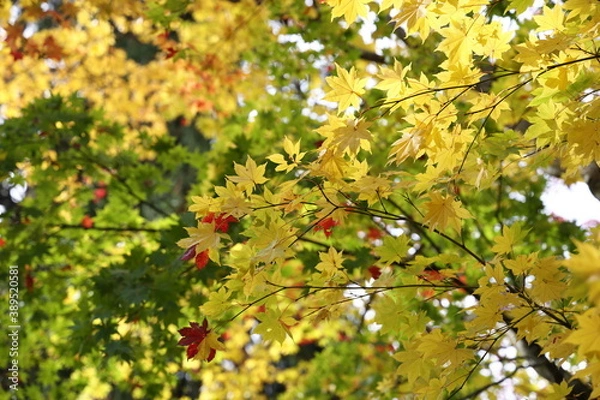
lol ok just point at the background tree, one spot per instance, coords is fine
(364, 180)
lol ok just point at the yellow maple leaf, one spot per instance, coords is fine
(413, 365)
(217, 303)
(586, 262)
(248, 176)
(414, 14)
(331, 267)
(443, 349)
(510, 236)
(552, 19)
(578, 7)
(409, 145)
(272, 241)
(549, 280)
(444, 211)
(274, 325)
(521, 264)
(203, 237)
(559, 391)
(373, 188)
(232, 200)
(586, 335)
(392, 80)
(485, 318)
(294, 156)
(385, 4)
(346, 88)
(331, 165)
(202, 205)
(582, 135)
(461, 39)
(353, 136)
(350, 9)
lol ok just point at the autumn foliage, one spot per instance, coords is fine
(347, 194)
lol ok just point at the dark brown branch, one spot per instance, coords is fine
(371, 56)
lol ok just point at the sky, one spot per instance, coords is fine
(575, 203)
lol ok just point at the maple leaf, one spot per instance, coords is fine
(444, 211)
(587, 260)
(375, 271)
(346, 88)
(217, 303)
(409, 145)
(202, 342)
(331, 264)
(392, 80)
(13, 35)
(510, 236)
(374, 233)
(586, 335)
(413, 365)
(326, 225)
(203, 237)
(352, 136)
(248, 176)
(52, 49)
(461, 38)
(201, 259)
(444, 349)
(414, 14)
(485, 318)
(552, 19)
(518, 5)
(232, 200)
(293, 151)
(549, 280)
(559, 391)
(202, 205)
(221, 221)
(521, 264)
(350, 9)
(274, 325)
(393, 249)
(331, 165)
(87, 222)
(273, 241)
(17, 55)
(188, 254)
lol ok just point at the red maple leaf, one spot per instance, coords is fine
(29, 281)
(326, 225)
(202, 259)
(375, 271)
(221, 221)
(16, 55)
(87, 222)
(374, 233)
(170, 52)
(99, 194)
(193, 336)
(430, 275)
